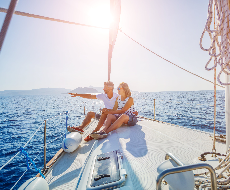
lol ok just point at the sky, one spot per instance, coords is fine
(44, 54)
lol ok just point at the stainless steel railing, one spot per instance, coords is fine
(184, 168)
(175, 159)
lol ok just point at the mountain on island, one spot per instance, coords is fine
(84, 90)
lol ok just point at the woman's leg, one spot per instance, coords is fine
(122, 119)
(100, 122)
(110, 119)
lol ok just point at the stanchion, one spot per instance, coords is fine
(44, 147)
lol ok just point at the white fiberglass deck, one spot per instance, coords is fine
(144, 147)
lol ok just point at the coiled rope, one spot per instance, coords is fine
(219, 51)
(222, 170)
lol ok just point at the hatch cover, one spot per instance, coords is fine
(107, 171)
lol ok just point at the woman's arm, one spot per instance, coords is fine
(115, 105)
(128, 104)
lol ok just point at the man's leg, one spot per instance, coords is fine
(100, 122)
(87, 120)
(110, 119)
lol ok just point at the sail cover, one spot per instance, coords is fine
(115, 10)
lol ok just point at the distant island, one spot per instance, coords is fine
(86, 90)
(51, 91)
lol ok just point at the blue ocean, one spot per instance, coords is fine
(22, 123)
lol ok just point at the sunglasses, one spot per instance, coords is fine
(119, 88)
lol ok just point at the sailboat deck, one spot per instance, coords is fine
(144, 147)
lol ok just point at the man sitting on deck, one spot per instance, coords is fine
(109, 98)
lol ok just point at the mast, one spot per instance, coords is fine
(115, 11)
(7, 20)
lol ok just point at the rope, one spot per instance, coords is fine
(24, 173)
(220, 30)
(55, 139)
(48, 18)
(168, 60)
(19, 151)
(27, 161)
(59, 114)
(29, 140)
(32, 136)
(214, 130)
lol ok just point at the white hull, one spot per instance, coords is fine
(144, 147)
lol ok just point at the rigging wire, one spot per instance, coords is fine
(23, 147)
(68, 22)
(29, 141)
(59, 114)
(168, 60)
(48, 18)
(24, 172)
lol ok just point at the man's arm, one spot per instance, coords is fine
(88, 96)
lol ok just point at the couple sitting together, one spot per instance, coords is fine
(119, 109)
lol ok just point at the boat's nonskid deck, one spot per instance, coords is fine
(144, 147)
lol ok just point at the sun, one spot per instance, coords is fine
(100, 16)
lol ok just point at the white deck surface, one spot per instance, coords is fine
(144, 147)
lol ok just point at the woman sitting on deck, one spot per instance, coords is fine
(122, 113)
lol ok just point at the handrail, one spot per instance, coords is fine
(180, 169)
(175, 159)
(185, 168)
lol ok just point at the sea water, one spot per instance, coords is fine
(22, 116)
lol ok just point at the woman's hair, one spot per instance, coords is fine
(126, 89)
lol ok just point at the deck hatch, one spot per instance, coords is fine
(107, 171)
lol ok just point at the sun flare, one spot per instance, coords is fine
(100, 16)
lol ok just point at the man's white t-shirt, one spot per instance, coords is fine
(109, 103)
